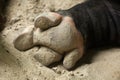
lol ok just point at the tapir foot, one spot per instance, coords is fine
(58, 35)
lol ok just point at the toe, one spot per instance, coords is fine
(47, 20)
(25, 40)
(47, 56)
(71, 58)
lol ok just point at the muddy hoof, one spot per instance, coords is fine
(25, 40)
(47, 20)
(47, 56)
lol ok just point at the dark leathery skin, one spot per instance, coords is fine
(98, 21)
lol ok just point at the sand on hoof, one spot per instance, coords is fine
(61, 38)
(71, 58)
(47, 56)
(47, 20)
(25, 40)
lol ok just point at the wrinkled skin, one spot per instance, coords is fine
(58, 35)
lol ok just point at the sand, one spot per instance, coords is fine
(98, 64)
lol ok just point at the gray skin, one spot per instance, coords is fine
(59, 37)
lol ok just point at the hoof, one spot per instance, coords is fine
(47, 20)
(25, 40)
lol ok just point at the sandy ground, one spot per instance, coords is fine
(101, 64)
